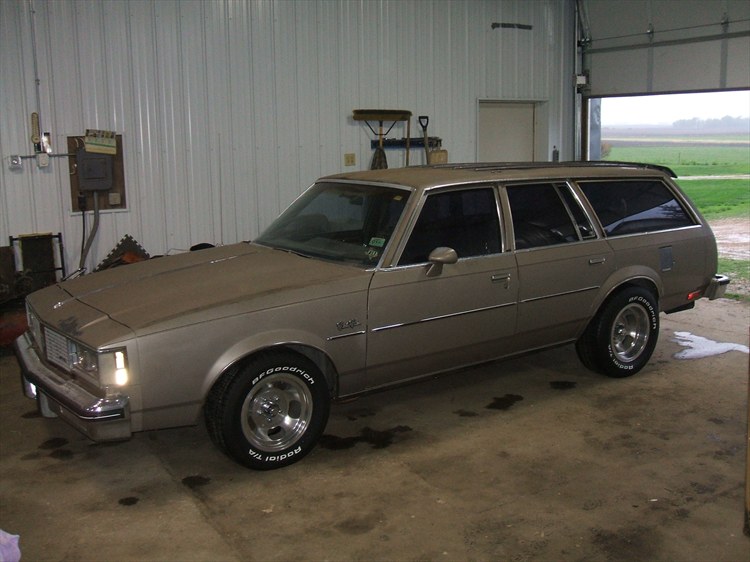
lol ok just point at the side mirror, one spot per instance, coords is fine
(440, 257)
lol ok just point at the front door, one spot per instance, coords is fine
(425, 318)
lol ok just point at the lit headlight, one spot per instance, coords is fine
(121, 369)
(113, 368)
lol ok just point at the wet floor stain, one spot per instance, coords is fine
(31, 456)
(504, 402)
(361, 413)
(698, 347)
(377, 439)
(562, 385)
(465, 413)
(630, 543)
(682, 514)
(54, 443)
(359, 525)
(62, 454)
(195, 481)
(727, 453)
(130, 500)
(702, 489)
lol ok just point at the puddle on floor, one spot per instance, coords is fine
(698, 347)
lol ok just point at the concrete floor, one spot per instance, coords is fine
(533, 458)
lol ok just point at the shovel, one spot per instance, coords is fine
(424, 120)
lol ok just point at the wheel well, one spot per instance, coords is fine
(321, 360)
(641, 282)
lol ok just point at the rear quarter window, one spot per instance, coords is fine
(635, 206)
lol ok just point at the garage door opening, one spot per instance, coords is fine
(633, 127)
(705, 139)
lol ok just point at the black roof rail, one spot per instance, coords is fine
(500, 166)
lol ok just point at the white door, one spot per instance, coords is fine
(505, 132)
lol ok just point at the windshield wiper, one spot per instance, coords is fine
(293, 252)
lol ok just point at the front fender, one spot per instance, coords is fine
(256, 343)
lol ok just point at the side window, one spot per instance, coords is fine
(545, 215)
(628, 207)
(464, 220)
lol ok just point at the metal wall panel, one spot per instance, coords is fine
(230, 108)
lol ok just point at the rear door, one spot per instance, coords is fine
(562, 263)
(424, 319)
(648, 226)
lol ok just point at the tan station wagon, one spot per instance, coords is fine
(367, 280)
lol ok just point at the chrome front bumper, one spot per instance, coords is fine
(100, 419)
(717, 287)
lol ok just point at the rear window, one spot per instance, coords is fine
(631, 207)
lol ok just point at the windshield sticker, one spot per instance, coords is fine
(377, 242)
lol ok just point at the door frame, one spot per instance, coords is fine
(542, 151)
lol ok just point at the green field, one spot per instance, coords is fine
(719, 198)
(716, 198)
(702, 160)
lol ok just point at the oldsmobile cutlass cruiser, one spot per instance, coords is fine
(367, 280)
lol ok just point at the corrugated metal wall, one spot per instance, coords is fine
(229, 109)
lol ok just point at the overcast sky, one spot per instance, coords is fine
(659, 110)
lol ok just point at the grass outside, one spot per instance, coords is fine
(705, 160)
(719, 198)
(739, 273)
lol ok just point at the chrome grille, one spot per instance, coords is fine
(57, 349)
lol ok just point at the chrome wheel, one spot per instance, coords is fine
(630, 333)
(276, 412)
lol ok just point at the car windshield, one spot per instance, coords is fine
(339, 222)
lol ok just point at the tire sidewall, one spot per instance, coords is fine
(237, 444)
(609, 361)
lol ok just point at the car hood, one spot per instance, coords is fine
(200, 286)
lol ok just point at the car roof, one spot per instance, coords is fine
(449, 174)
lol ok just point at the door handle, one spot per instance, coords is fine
(597, 261)
(502, 277)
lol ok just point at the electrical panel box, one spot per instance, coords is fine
(96, 171)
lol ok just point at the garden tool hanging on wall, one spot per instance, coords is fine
(379, 160)
(431, 155)
(424, 120)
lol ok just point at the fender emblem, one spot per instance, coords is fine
(353, 323)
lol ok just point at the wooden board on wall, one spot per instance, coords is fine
(112, 199)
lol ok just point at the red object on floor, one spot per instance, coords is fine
(12, 325)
